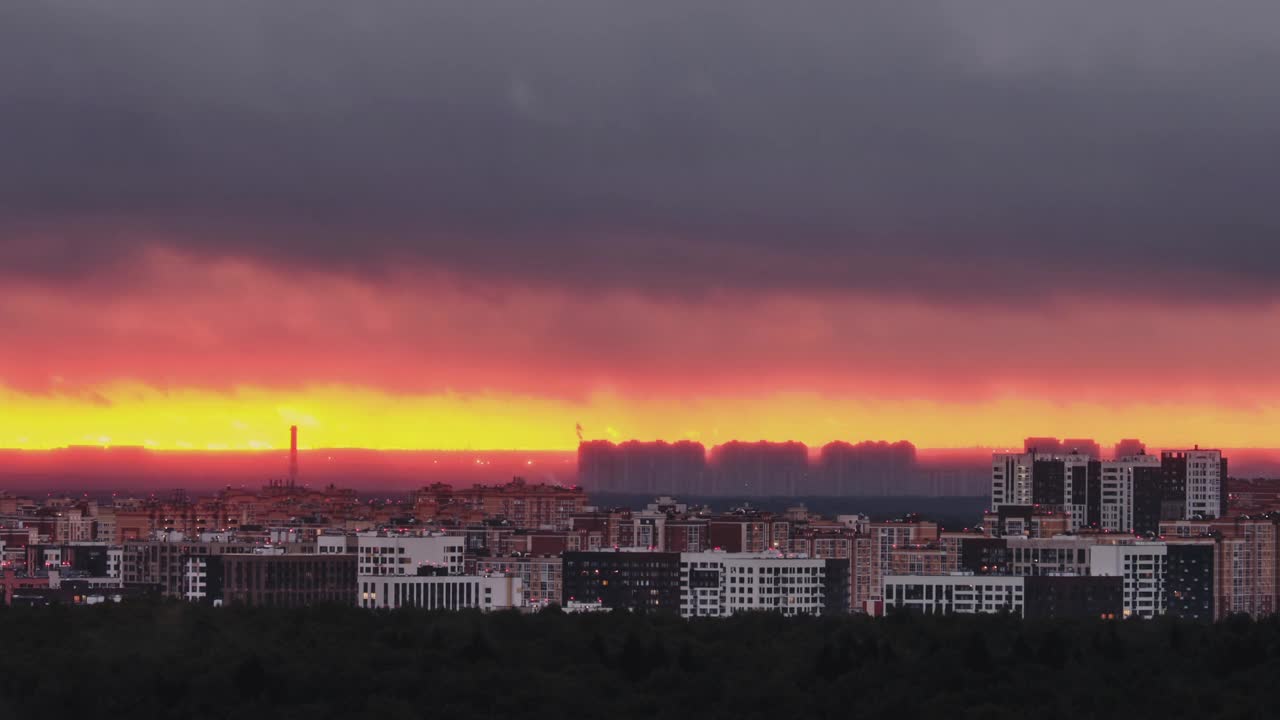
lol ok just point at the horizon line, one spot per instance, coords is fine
(260, 450)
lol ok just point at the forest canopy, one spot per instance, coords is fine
(161, 659)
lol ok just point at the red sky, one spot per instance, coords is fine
(478, 226)
(185, 352)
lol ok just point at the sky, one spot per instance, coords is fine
(481, 224)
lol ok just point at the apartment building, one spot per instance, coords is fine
(623, 579)
(873, 555)
(276, 580)
(1117, 501)
(1144, 566)
(719, 584)
(541, 576)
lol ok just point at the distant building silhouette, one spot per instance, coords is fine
(1082, 446)
(1043, 445)
(760, 469)
(1129, 448)
(643, 467)
(1068, 446)
(765, 469)
(868, 468)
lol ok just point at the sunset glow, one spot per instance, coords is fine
(471, 235)
(255, 419)
(226, 354)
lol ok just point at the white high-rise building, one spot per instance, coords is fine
(1204, 477)
(1064, 486)
(1075, 499)
(1116, 505)
(1011, 479)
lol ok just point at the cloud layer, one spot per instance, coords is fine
(984, 150)
(952, 222)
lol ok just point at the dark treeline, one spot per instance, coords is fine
(176, 660)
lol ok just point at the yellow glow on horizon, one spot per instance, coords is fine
(331, 416)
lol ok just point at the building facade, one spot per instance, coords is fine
(1063, 555)
(1200, 474)
(953, 594)
(276, 580)
(873, 556)
(1117, 502)
(623, 579)
(1143, 566)
(440, 592)
(1078, 597)
(719, 584)
(399, 554)
(1190, 579)
(541, 576)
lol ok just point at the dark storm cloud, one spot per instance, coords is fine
(983, 148)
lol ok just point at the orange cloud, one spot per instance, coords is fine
(334, 416)
(190, 354)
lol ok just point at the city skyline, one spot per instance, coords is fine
(672, 359)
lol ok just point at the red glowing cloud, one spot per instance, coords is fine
(233, 347)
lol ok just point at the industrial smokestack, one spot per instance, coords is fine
(293, 455)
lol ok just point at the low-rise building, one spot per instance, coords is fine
(440, 592)
(953, 594)
(403, 554)
(1060, 555)
(91, 558)
(13, 582)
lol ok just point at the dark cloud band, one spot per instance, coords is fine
(1002, 149)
